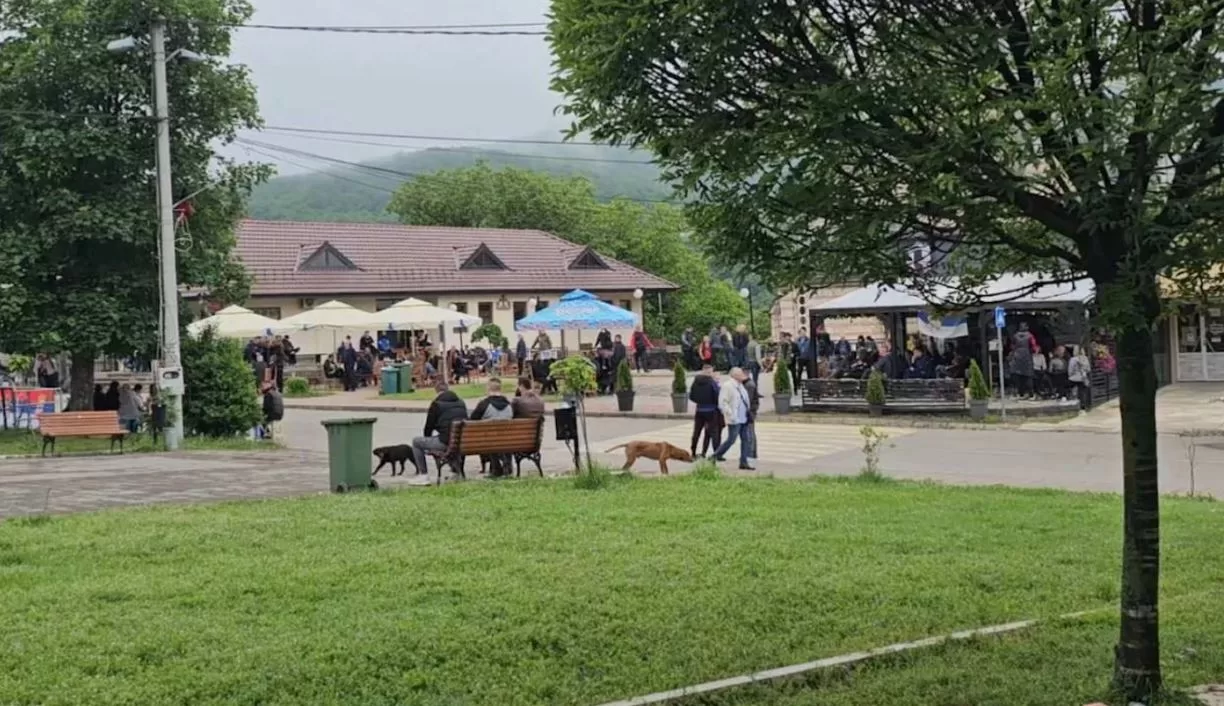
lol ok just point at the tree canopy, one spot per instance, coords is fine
(647, 236)
(78, 218)
(819, 137)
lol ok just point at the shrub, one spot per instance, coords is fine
(875, 388)
(782, 378)
(679, 381)
(297, 387)
(575, 375)
(978, 389)
(491, 333)
(220, 397)
(624, 378)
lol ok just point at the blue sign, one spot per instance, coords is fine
(1000, 317)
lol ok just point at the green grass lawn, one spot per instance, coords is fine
(21, 442)
(536, 592)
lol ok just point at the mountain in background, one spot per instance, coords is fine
(360, 194)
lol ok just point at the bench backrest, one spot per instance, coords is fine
(938, 389)
(497, 436)
(81, 423)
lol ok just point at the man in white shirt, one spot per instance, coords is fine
(733, 403)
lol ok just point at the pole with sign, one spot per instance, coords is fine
(1000, 324)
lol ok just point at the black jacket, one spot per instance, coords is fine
(739, 341)
(604, 339)
(443, 411)
(496, 402)
(703, 392)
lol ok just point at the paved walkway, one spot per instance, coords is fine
(1184, 408)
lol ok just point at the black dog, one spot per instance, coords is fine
(401, 454)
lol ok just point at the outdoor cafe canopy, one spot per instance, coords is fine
(1014, 291)
(234, 322)
(578, 310)
(413, 313)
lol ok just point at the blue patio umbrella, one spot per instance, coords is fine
(577, 310)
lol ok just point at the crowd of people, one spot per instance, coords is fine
(722, 350)
(268, 357)
(129, 401)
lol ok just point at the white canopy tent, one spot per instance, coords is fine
(235, 322)
(1013, 291)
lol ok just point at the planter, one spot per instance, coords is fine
(875, 410)
(978, 409)
(679, 403)
(782, 402)
(624, 400)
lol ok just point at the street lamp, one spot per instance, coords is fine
(170, 371)
(747, 294)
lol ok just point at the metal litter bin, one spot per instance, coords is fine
(390, 379)
(405, 377)
(350, 448)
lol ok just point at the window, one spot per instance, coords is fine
(541, 305)
(520, 310)
(589, 260)
(483, 259)
(627, 304)
(485, 311)
(327, 258)
(380, 304)
(460, 307)
(272, 312)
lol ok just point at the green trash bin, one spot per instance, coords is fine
(405, 377)
(390, 379)
(350, 448)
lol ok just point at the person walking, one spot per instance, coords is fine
(520, 354)
(707, 421)
(754, 406)
(734, 404)
(752, 355)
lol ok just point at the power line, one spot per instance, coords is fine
(380, 171)
(482, 30)
(436, 138)
(313, 170)
(524, 155)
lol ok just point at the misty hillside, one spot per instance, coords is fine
(350, 194)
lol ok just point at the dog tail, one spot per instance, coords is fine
(615, 448)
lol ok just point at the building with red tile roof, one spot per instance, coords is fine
(492, 273)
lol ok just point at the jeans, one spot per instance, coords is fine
(753, 368)
(735, 431)
(132, 425)
(750, 440)
(423, 444)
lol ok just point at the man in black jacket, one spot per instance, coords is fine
(443, 411)
(704, 394)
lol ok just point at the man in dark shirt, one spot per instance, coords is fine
(446, 409)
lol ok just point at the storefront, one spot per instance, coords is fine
(1198, 333)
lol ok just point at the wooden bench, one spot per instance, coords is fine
(80, 424)
(518, 438)
(938, 394)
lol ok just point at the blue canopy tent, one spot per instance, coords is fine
(577, 310)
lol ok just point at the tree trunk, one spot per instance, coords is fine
(1137, 656)
(81, 382)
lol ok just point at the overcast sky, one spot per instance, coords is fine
(466, 86)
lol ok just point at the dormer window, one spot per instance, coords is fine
(588, 259)
(327, 259)
(483, 259)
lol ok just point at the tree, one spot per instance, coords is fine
(78, 219)
(819, 137)
(651, 237)
(220, 398)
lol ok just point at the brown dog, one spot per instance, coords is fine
(660, 451)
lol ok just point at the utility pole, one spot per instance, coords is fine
(170, 378)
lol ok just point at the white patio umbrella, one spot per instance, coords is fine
(334, 316)
(413, 313)
(235, 322)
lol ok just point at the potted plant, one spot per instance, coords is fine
(679, 389)
(875, 393)
(979, 392)
(624, 387)
(782, 388)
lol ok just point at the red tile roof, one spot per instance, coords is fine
(421, 259)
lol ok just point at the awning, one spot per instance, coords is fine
(1010, 291)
